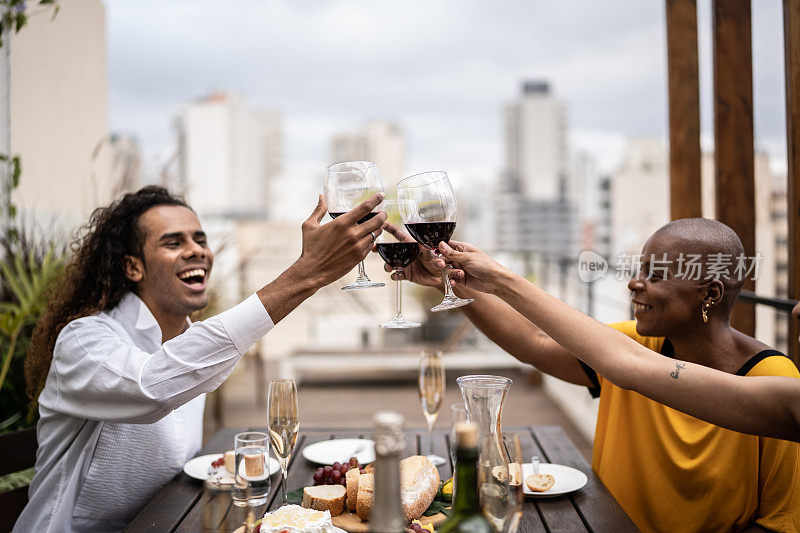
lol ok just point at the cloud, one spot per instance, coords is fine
(444, 69)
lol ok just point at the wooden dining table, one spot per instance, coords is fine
(179, 505)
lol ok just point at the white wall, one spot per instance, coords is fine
(59, 110)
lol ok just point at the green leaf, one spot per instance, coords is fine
(295, 497)
(436, 507)
(22, 18)
(16, 172)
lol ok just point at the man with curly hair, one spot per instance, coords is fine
(119, 370)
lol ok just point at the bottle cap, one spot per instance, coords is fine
(388, 433)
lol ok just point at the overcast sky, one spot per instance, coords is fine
(442, 68)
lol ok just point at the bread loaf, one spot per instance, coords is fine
(325, 498)
(351, 479)
(419, 482)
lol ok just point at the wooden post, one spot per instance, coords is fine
(791, 35)
(733, 134)
(684, 110)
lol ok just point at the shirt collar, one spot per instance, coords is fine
(139, 314)
(133, 308)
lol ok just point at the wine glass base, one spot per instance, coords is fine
(451, 303)
(399, 323)
(251, 502)
(436, 460)
(362, 284)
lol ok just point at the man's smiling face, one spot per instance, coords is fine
(176, 261)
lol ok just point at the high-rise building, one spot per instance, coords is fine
(536, 144)
(59, 111)
(381, 141)
(535, 210)
(229, 152)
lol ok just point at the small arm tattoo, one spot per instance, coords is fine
(678, 367)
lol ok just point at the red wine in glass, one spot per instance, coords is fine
(430, 234)
(398, 255)
(363, 219)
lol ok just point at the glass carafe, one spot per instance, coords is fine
(484, 397)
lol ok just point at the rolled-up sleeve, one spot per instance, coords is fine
(97, 374)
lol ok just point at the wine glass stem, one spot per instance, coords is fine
(284, 474)
(448, 290)
(399, 295)
(362, 273)
(431, 421)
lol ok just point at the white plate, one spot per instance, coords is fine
(199, 467)
(568, 479)
(340, 450)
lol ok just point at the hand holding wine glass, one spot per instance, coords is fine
(346, 185)
(283, 423)
(425, 270)
(473, 268)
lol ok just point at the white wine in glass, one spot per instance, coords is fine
(283, 423)
(431, 393)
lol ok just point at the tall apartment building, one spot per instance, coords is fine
(59, 111)
(229, 153)
(380, 141)
(536, 210)
(536, 144)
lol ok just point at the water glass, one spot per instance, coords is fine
(252, 473)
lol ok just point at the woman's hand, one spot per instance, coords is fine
(425, 270)
(472, 268)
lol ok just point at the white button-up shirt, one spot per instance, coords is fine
(121, 412)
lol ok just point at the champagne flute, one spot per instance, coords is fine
(429, 210)
(431, 394)
(516, 495)
(398, 255)
(283, 423)
(346, 185)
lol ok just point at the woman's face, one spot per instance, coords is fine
(664, 300)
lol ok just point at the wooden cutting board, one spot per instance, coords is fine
(351, 523)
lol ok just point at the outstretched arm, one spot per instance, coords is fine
(496, 319)
(768, 406)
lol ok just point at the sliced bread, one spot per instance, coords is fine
(325, 498)
(230, 461)
(351, 479)
(366, 495)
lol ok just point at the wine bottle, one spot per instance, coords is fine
(387, 514)
(467, 516)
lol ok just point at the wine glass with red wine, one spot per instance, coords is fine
(429, 210)
(347, 185)
(398, 255)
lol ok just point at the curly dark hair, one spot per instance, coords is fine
(94, 279)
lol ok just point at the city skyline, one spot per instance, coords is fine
(443, 71)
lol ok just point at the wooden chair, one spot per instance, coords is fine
(18, 451)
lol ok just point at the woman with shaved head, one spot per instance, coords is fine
(669, 470)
